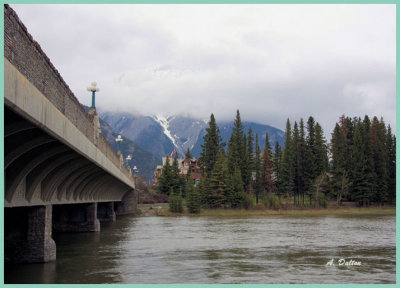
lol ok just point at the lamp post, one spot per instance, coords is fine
(119, 140)
(93, 89)
(128, 158)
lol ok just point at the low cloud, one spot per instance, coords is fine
(270, 61)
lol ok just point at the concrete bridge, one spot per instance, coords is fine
(60, 174)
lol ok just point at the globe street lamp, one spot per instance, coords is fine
(119, 140)
(128, 158)
(93, 89)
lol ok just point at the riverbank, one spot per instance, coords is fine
(163, 210)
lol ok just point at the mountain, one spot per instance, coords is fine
(160, 135)
(183, 131)
(157, 134)
(143, 130)
(149, 138)
(145, 161)
(225, 129)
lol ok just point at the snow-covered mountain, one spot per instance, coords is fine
(183, 131)
(160, 134)
(157, 134)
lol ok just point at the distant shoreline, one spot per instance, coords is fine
(146, 210)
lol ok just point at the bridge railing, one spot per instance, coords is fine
(28, 57)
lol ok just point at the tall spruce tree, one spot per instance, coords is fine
(286, 165)
(321, 151)
(267, 172)
(250, 149)
(219, 182)
(165, 182)
(347, 126)
(380, 158)
(310, 170)
(210, 148)
(338, 168)
(245, 165)
(276, 165)
(237, 152)
(299, 183)
(391, 164)
(188, 154)
(177, 180)
(302, 152)
(237, 196)
(193, 197)
(370, 175)
(258, 184)
(360, 191)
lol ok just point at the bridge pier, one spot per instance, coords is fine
(29, 235)
(128, 205)
(76, 218)
(105, 212)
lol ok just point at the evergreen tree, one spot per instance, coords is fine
(310, 169)
(237, 151)
(338, 169)
(347, 127)
(286, 165)
(360, 189)
(302, 148)
(370, 175)
(276, 165)
(380, 158)
(193, 197)
(258, 184)
(237, 196)
(175, 202)
(321, 151)
(165, 181)
(298, 184)
(267, 172)
(205, 191)
(391, 164)
(250, 149)
(321, 190)
(219, 188)
(251, 155)
(245, 165)
(188, 154)
(210, 147)
(177, 180)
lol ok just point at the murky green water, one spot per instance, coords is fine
(274, 249)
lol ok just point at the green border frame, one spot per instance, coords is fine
(396, 2)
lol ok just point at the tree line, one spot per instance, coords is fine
(359, 164)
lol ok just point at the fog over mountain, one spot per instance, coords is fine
(273, 62)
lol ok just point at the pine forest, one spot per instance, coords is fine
(358, 165)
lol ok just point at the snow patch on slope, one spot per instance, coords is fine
(165, 124)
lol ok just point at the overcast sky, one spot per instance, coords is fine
(270, 61)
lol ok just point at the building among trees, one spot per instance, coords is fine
(184, 165)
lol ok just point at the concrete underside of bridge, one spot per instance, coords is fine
(60, 173)
(50, 187)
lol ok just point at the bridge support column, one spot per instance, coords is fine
(41, 247)
(128, 205)
(105, 212)
(92, 223)
(76, 218)
(28, 232)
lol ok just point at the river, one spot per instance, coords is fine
(269, 249)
